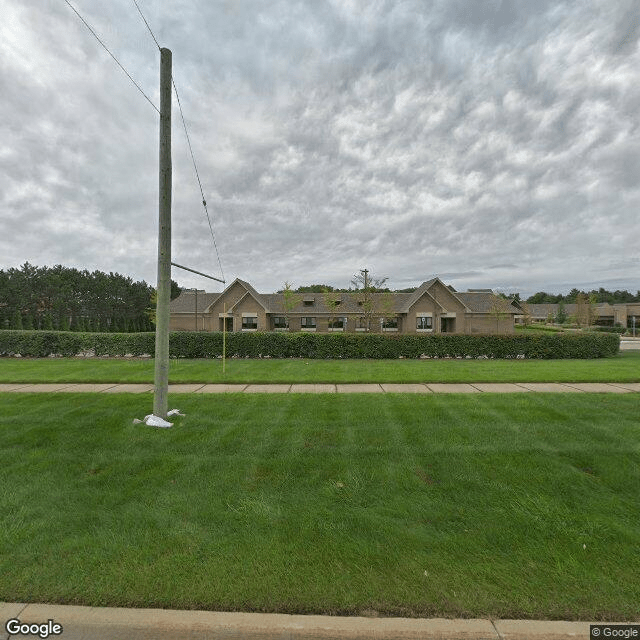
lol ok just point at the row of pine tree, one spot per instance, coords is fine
(67, 299)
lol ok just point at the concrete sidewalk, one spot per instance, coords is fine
(476, 387)
(92, 623)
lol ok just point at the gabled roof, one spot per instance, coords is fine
(185, 302)
(474, 301)
(238, 301)
(348, 303)
(249, 288)
(418, 293)
(486, 302)
(259, 298)
(424, 289)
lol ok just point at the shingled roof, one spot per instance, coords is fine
(475, 301)
(416, 295)
(185, 302)
(486, 302)
(348, 302)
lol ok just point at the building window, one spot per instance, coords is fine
(390, 323)
(424, 324)
(249, 323)
(337, 323)
(361, 324)
(280, 322)
(308, 323)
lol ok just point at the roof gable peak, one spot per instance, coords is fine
(249, 290)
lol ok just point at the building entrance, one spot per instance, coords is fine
(447, 325)
(229, 324)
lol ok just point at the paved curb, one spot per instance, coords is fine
(426, 388)
(137, 624)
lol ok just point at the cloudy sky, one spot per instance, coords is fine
(494, 143)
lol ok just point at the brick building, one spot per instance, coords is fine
(433, 308)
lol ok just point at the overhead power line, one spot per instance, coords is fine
(195, 167)
(95, 35)
(193, 159)
(145, 21)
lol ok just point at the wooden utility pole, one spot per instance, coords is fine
(161, 375)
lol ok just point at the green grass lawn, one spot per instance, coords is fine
(518, 506)
(625, 367)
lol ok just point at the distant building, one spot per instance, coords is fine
(433, 308)
(605, 314)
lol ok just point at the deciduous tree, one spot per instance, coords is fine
(364, 286)
(332, 300)
(290, 300)
(499, 310)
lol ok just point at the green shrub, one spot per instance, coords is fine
(40, 344)
(122, 344)
(617, 329)
(185, 344)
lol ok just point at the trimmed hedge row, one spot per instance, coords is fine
(41, 344)
(619, 330)
(184, 344)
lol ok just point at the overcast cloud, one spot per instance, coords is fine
(492, 142)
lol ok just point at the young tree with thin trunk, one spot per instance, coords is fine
(386, 307)
(498, 310)
(364, 286)
(586, 311)
(526, 313)
(290, 300)
(332, 300)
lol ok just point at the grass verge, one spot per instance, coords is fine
(625, 367)
(519, 506)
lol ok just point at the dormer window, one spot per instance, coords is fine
(308, 301)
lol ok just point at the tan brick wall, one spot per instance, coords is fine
(246, 303)
(444, 297)
(183, 322)
(486, 324)
(426, 304)
(468, 323)
(250, 305)
(186, 322)
(230, 298)
(632, 309)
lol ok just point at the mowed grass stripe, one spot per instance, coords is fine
(625, 367)
(503, 506)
